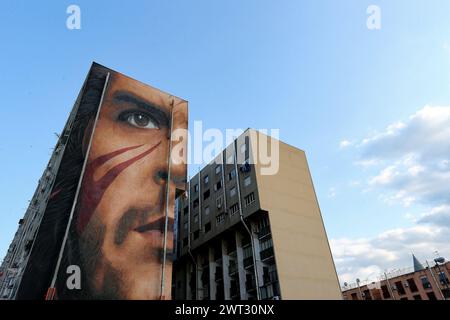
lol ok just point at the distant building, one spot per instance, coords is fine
(244, 235)
(416, 283)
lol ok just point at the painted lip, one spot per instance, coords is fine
(157, 225)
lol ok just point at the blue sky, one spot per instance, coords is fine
(310, 68)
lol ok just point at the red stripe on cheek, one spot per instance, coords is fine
(92, 191)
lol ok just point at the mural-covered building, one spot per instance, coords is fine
(100, 225)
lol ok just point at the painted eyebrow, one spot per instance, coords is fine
(124, 96)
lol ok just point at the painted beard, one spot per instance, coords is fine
(104, 281)
(91, 257)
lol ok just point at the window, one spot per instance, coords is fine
(232, 174)
(185, 242)
(386, 294)
(249, 199)
(218, 185)
(243, 147)
(247, 181)
(206, 194)
(266, 244)
(245, 167)
(431, 296)
(218, 169)
(207, 210)
(185, 225)
(417, 297)
(247, 251)
(263, 222)
(196, 188)
(232, 191)
(206, 179)
(412, 285)
(219, 202)
(425, 283)
(220, 219)
(442, 278)
(196, 234)
(234, 208)
(400, 288)
(207, 227)
(195, 203)
(186, 210)
(195, 218)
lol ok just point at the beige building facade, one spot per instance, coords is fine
(250, 227)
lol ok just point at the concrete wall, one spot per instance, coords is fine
(302, 253)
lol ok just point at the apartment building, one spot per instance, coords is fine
(245, 235)
(429, 281)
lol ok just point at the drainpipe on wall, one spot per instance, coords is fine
(435, 281)
(189, 238)
(241, 216)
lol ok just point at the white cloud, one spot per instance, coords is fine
(426, 134)
(368, 258)
(354, 183)
(446, 47)
(413, 156)
(411, 159)
(439, 216)
(332, 192)
(386, 176)
(344, 143)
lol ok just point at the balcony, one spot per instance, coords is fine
(205, 275)
(234, 292)
(267, 253)
(248, 262)
(232, 268)
(218, 274)
(264, 231)
(250, 283)
(205, 291)
(270, 277)
(249, 286)
(270, 292)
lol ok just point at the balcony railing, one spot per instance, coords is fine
(266, 253)
(271, 291)
(270, 277)
(250, 285)
(264, 231)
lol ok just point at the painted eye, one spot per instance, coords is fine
(141, 120)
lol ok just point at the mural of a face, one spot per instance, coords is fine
(121, 209)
